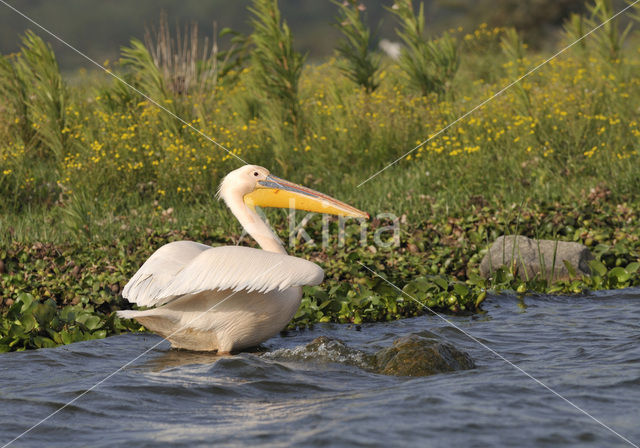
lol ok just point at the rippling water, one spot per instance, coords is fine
(585, 348)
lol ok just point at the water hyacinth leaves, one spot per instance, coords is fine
(50, 300)
(29, 323)
(369, 301)
(616, 277)
(444, 293)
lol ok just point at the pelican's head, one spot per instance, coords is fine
(260, 188)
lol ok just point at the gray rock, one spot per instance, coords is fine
(532, 257)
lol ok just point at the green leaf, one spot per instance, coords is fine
(411, 289)
(28, 322)
(26, 300)
(441, 282)
(475, 279)
(570, 268)
(42, 342)
(461, 289)
(44, 312)
(632, 267)
(422, 284)
(598, 268)
(101, 334)
(480, 298)
(90, 321)
(619, 274)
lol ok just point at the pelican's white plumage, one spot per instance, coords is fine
(159, 270)
(233, 268)
(231, 297)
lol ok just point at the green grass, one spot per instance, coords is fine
(101, 177)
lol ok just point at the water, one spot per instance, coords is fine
(585, 348)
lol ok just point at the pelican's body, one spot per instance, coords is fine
(231, 297)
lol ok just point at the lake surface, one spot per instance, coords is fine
(585, 348)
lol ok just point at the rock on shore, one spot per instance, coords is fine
(530, 257)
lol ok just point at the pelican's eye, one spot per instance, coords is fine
(255, 173)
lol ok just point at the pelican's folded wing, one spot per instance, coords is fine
(236, 268)
(159, 271)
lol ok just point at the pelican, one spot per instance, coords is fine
(231, 297)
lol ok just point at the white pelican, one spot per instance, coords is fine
(231, 297)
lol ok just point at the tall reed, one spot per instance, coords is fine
(276, 69)
(33, 87)
(430, 65)
(357, 61)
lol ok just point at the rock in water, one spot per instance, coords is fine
(334, 350)
(323, 349)
(416, 355)
(536, 257)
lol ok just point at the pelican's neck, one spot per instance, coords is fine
(254, 225)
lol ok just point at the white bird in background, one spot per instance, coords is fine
(231, 297)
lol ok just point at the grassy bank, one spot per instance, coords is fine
(94, 177)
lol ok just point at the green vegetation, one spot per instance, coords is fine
(275, 78)
(99, 29)
(430, 65)
(356, 59)
(94, 178)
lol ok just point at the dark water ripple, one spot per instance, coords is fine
(586, 348)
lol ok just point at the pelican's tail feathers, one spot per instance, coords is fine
(130, 314)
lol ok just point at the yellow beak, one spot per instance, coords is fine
(280, 193)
